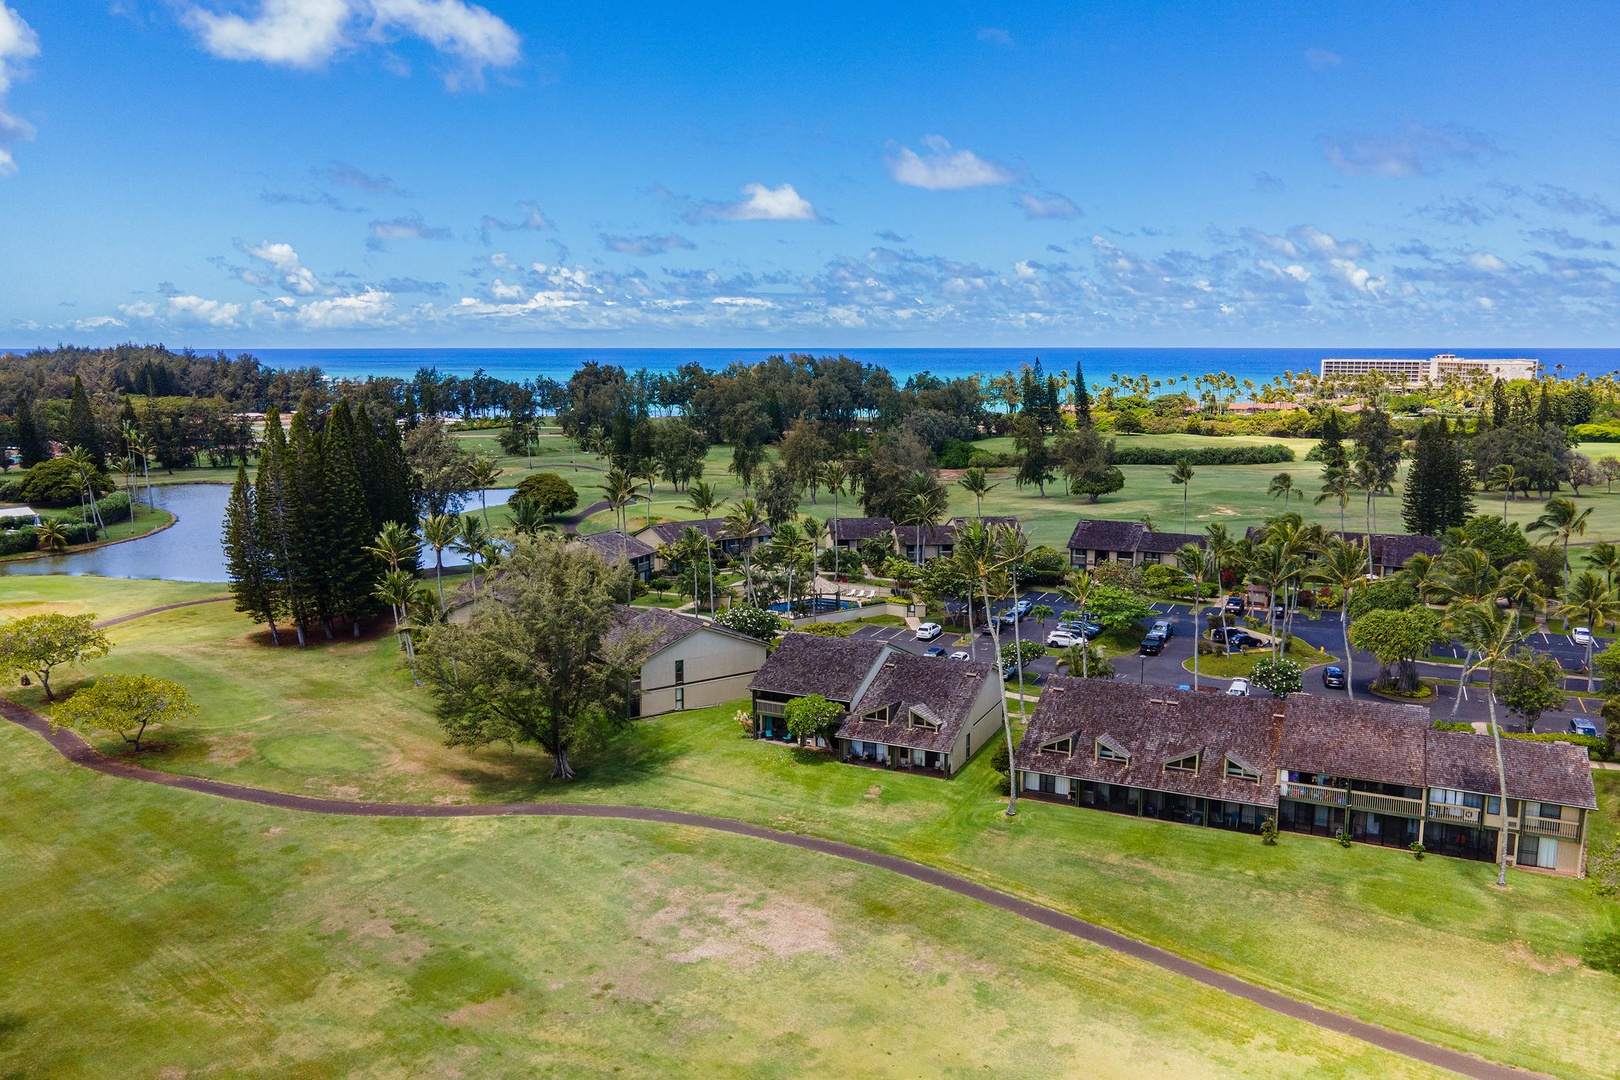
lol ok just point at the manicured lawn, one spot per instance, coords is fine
(1430, 948)
(35, 594)
(151, 933)
(1217, 666)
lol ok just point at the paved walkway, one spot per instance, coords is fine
(74, 749)
(104, 623)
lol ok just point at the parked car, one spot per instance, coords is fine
(1152, 645)
(1582, 635)
(1062, 639)
(1235, 604)
(1164, 628)
(1024, 607)
(1087, 630)
(1333, 676)
(935, 651)
(961, 655)
(1239, 688)
(1233, 637)
(1580, 725)
(928, 631)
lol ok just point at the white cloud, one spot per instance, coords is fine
(1417, 150)
(1487, 263)
(646, 245)
(945, 169)
(309, 33)
(404, 228)
(532, 220)
(18, 44)
(1051, 205)
(290, 271)
(759, 203)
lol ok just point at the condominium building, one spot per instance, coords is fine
(1416, 372)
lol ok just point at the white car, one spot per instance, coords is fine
(1582, 635)
(1062, 639)
(928, 631)
(1239, 688)
(960, 655)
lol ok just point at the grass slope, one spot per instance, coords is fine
(1430, 948)
(153, 933)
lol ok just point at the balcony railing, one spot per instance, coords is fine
(1314, 793)
(1456, 815)
(1562, 830)
(1386, 804)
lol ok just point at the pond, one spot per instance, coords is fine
(189, 550)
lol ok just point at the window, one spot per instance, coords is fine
(1493, 805)
(1183, 764)
(877, 716)
(680, 671)
(1058, 746)
(1452, 797)
(918, 720)
(1048, 784)
(1236, 771)
(1108, 753)
(680, 697)
(1545, 810)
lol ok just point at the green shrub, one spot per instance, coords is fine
(1268, 832)
(1597, 747)
(550, 492)
(114, 508)
(1266, 454)
(956, 454)
(1609, 432)
(1418, 850)
(17, 541)
(1602, 952)
(999, 759)
(56, 483)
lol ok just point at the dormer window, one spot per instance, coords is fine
(877, 716)
(1187, 764)
(1107, 751)
(1236, 770)
(1064, 746)
(918, 720)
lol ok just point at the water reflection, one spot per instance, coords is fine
(189, 550)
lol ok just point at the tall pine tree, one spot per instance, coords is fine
(1330, 444)
(275, 514)
(307, 527)
(247, 561)
(1439, 486)
(352, 570)
(32, 446)
(1082, 397)
(81, 424)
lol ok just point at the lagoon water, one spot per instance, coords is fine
(189, 550)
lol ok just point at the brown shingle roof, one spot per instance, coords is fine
(932, 535)
(1168, 543)
(1155, 725)
(668, 532)
(805, 664)
(940, 689)
(1100, 534)
(662, 628)
(863, 528)
(989, 519)
(1542, 772)
(1398, 549)
(1356, 740)
(615, 546)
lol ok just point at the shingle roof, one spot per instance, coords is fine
(1155, 725)
(805, 664)
(663, 628)
(863, 528)
(989, 519)
(932, 535)
(615, 546)
(1542, 772)
(1100, 534)
(668, 532)
(939, 689)
(1389, 550)
(1168, 543)
(1359, 740)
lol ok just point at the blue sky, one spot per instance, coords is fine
(432, 172)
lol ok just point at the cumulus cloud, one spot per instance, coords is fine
(287, 271)
(532, 220)
(1416, 150)
(1050, 205)
(18, 45)
(646, 245)
(404, 228)
(943, 168)
(758, 203)
(309, 33)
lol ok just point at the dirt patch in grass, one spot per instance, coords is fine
(1545, 965)
(739, 928)
(484, 1012)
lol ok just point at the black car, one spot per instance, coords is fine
(1233, 637)
(935, 651)
(1152, 645)
(1333, 677)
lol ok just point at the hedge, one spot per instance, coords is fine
(114, 508)
(1265, 454)
(1595, 432)
(1596, 745)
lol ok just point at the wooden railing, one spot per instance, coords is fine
(1456, 815)
(1386, 804)
(1314, 793)
(1563, 830)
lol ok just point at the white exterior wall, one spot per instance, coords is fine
(717, 669)
(983, 724)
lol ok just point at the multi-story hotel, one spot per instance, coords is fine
(1415, 372)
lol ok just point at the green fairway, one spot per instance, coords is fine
(37, 594)
(151, 933)
(1430, 948)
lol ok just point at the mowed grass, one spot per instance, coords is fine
(156, 933)
(36, 594)
(1427, 947)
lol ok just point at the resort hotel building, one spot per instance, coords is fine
(1415, 372)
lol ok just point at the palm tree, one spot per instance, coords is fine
(139, 444)
(1342, 566)
(85, 473)
(834, 476)
(1506, 477)
(1077, 592)
(473, 541)
(125, 468)
(701, 499)
(1490, 634)
(50, 534)
(1561, 520)
(1336, 486)
(1594, 604)
(648, 470)
(1041, 612)
(527, 520)
(396, 546)
(1182, 473)
(1192, 561)
(1273, 569)
(482, 473)
(439, 530)
(1424, 573)
(1604, 556)
(619, 489)
(976, 482)
(924, 503)
(397, 589)
(742, 523)
(1282, 487)
(981, 558)
(1369, 478)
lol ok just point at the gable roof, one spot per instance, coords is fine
(663, 628)
(962, 520)
(1389, 550)
(614, 546)
(1168, 543)
(1155, 725)
(1101, 534)
(941, 691)
(931, 534)
(858, 528)
(805, 664)
(1360, 740)
(668, 532)
(1541, 772)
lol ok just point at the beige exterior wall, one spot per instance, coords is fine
(983, 724)
(716, 669)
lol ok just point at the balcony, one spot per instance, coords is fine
(1386, 804)
(1561, 830)
(1314, 793)
(1453, 814)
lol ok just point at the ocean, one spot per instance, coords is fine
(1256, 365)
